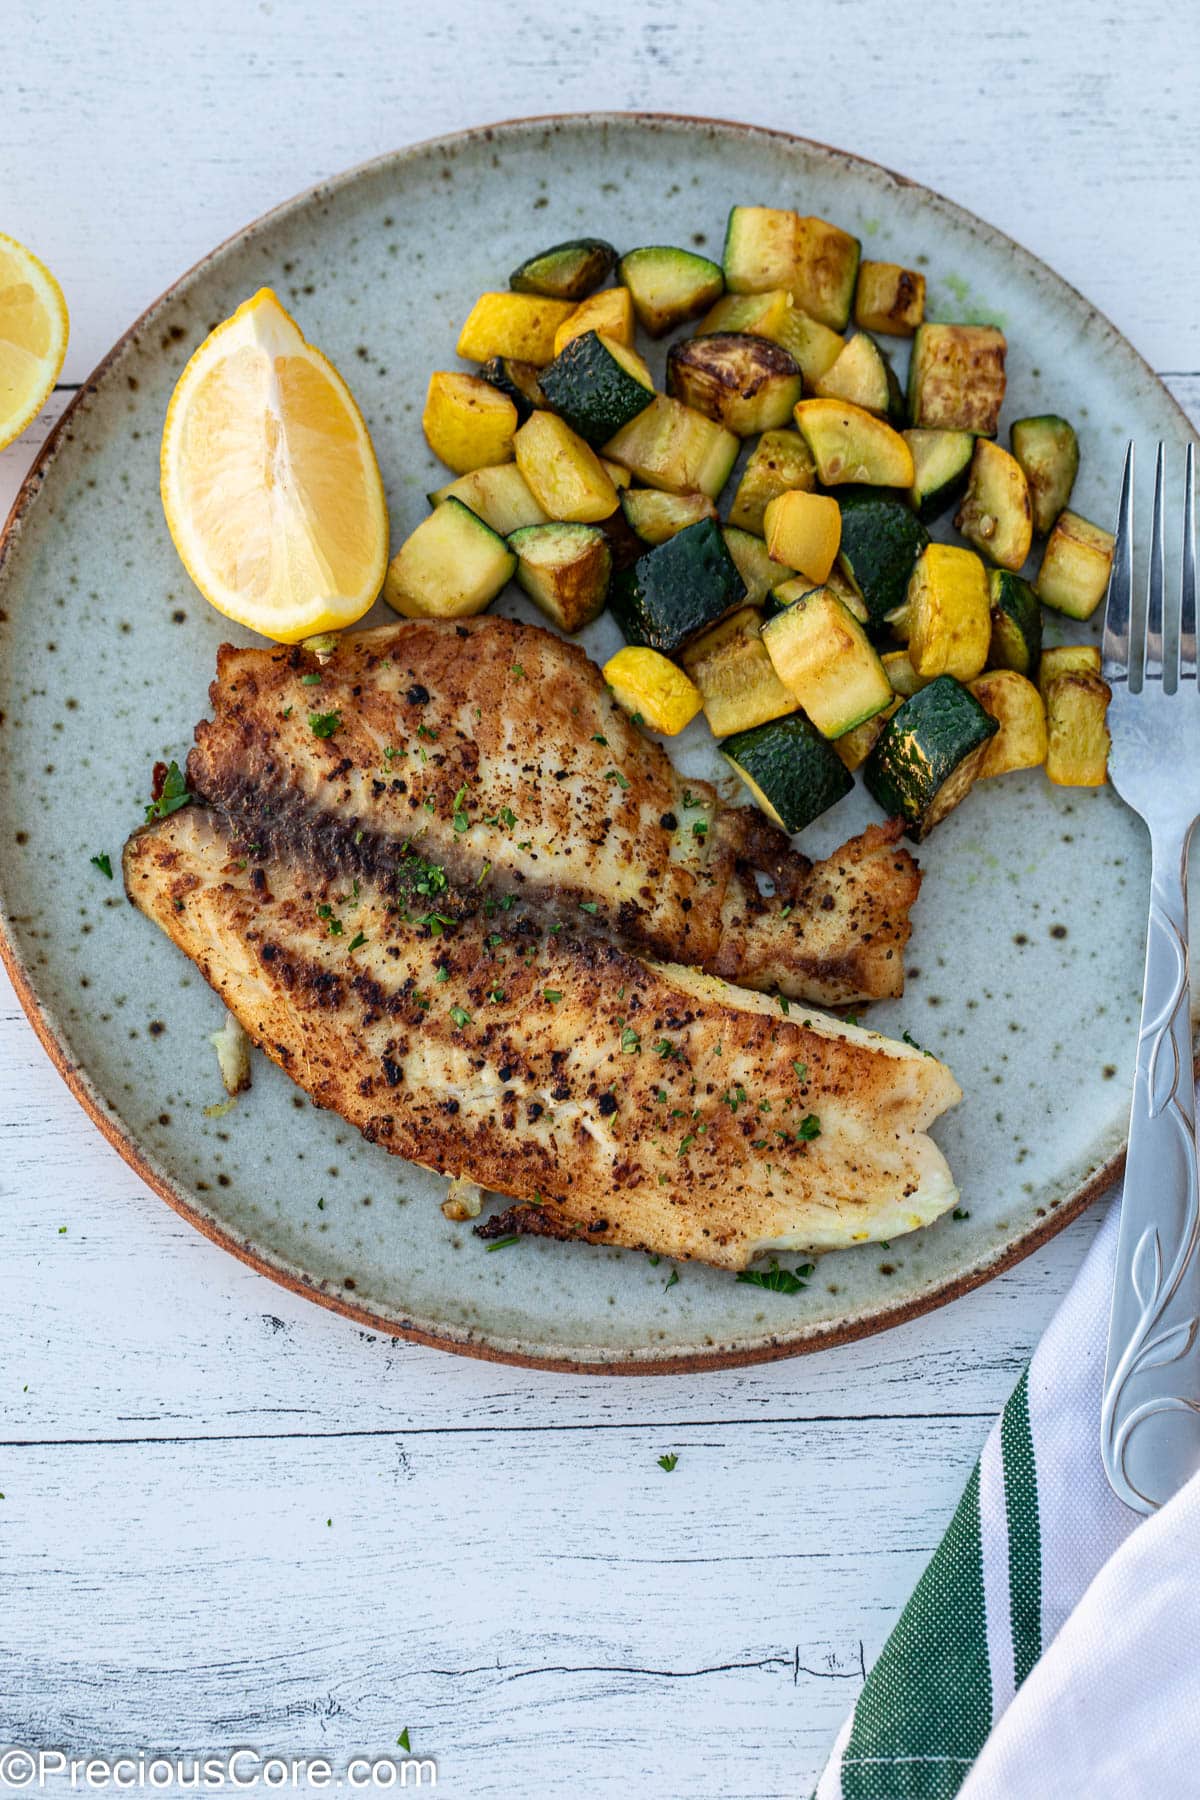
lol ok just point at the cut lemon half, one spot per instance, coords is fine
(269, 481)
(33, 337)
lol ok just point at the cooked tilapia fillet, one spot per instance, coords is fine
(498, 749)
(613, 1099)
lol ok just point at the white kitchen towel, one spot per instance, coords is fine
(1052, 1646)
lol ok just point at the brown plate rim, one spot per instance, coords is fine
(809, 1339)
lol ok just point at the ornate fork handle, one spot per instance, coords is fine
(1150, 1420)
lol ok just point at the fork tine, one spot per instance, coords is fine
(1155, 582)
(1187, 623)
(1120, 584)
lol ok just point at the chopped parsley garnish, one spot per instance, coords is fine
(734, 1098)
(357, 941)
(506, 816)
(758, 1144)
(597, 739)
(671, 1280)
(810, 1128)
(427, 732)
(668, 1462)
(503, 1243)
(103, 863)
(960, 1212)
(443, 973)
(517, 670)
(313, 680)
(690, 802)
(403, 1740)
(801, 1070)
(496, 995)
(460, 1016)
(664, 1048)
(631, 1043)
(458, 817)
(287, 712)
(388, 753)
(323, 725)
(171, 796)
(780, 1281)
(622, 781)
(912, 1042)
(687, 1143)
(553, 995)
(589, 906)
(785, 1005)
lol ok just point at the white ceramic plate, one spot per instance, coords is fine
(1025, 958)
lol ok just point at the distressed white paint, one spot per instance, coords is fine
(507, 1572)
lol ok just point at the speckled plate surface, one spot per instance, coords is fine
(1025, 959)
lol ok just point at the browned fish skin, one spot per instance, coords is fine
(498, 751)
(614, 1100)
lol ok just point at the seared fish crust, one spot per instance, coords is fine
(615, 1100)
(495, 750)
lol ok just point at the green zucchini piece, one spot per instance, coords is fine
(793, 773)
(499, 495)
(567, 271)
(735, 676)
(759, 571)
(928, 755)
(597, 386)
(1016, 624)
(956, 378)
(786, 593)
(1048, 450)
(995, 515)
(881, 541)
(780, 460)
(942, 465)
(519, 380)
(822, 655)
(669, 286)
(825, 272)
(656, 516)
(748, 384)
(761, 315)
(815, 347)
(760, 249)
(678, 589)
(565, 570)
(672, 446)
(451, 566)
(863, 374)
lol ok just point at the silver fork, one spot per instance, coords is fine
(1150, 1417)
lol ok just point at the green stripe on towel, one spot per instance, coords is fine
(926, 1708)
(1024, 1531)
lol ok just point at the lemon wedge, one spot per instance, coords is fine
(269, 482)
(33, 337)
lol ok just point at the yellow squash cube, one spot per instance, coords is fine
(803, 531)
(1067, 659)
(517, 325)
(467, 422)
(565, 477)
(650, 686)
(889, 298)
(1077, 739)
(610, 312)
(1016, 705)
(950, 625)
(1075, 567)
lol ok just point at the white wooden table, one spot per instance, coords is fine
(230, 1518)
